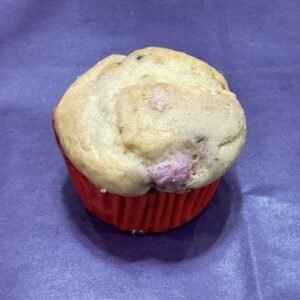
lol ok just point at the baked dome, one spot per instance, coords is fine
(155, 118)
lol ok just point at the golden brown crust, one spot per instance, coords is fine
(128, 113)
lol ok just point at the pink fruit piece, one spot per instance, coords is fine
(172, 174)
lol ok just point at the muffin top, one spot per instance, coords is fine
(156, 118)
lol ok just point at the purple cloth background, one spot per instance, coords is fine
(245, 245)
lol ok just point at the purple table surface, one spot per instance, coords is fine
(245, 245)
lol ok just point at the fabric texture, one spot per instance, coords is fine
(246, 243)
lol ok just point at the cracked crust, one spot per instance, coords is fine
(128, 113)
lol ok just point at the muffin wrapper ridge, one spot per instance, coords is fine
(150, 213)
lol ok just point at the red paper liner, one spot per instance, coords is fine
(151, 213)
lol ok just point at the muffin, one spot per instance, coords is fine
(147, 137)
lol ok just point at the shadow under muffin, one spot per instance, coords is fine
(191, 240)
